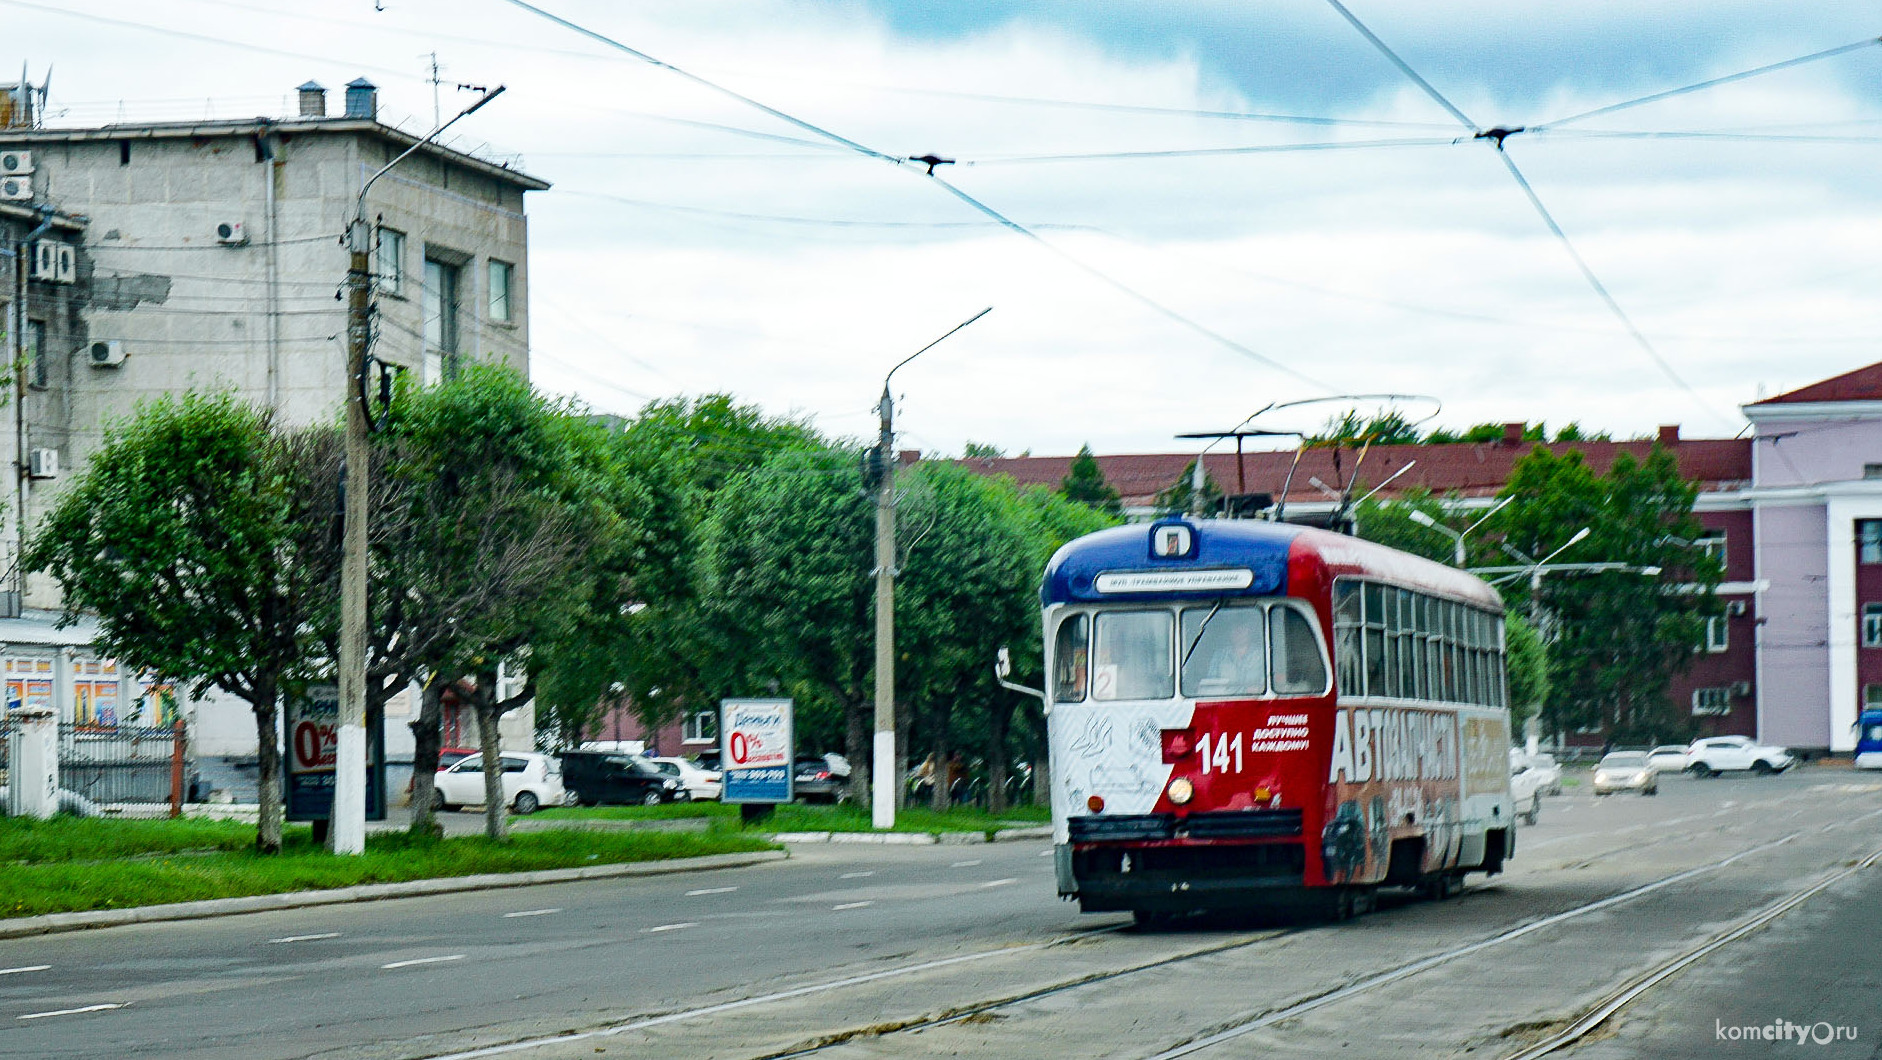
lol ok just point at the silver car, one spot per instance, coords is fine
(1626, 771)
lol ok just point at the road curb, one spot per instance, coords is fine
(51, 923)
(1002, 835)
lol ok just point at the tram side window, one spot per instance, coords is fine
(1224, 650)
(1132, 654)
(1375, 641)
(1348, 621)
(1298, 668)
(1070, 659)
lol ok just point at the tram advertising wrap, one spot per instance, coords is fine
(1246, 713)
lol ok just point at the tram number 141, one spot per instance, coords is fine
(1226, 756)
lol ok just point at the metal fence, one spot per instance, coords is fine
(121, 764)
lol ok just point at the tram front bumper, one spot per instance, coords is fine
(1183, 876)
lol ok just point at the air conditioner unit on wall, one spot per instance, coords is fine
(1741, 688)
(107, 353)
(16, 189)
(43, 463)
(55, 262)
(16, 163)
(1735, 608)
(231, 233)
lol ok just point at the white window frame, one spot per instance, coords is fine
(391, 261)
(1711, 702)
(1872, 625)
(1718, 634)
(701, 727)
(501, 303)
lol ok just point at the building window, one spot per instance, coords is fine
(1869, 540)
(440, 311)
(39, 372)
(391, 263)
(1710, 702)
(501, 274)
(1872, 696)
(1872, 625)
(1718, 635)
(702, 727)
(1712, 543)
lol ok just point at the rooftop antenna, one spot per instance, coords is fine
(437, 110)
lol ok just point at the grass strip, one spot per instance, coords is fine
(186, 873)
(797, 817)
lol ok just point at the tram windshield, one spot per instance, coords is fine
(1224, 651)
(1247, 649)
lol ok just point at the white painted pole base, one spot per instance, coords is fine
(882, 782)
(348, 828)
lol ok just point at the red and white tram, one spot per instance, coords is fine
(1246, 714)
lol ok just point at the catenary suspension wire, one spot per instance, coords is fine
(1403, 66)
(1711, 83)
(1600, 289)
(1496, 137)
(1206, 152)
(976, 204)
(1142, 299)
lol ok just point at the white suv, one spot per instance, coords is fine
(1719, 754)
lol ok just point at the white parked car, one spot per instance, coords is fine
(1525, 789)
(1548, 771)
(1668, 758)
(700, 783)
(1720, 754)
(530, 782)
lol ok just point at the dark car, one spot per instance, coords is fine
(595, 777)
(821, 778)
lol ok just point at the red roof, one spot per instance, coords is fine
(1863, 384)
(1470, 469)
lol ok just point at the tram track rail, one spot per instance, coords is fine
(1599, 1013)
(968, 1010)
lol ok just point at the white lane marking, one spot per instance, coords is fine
(964, 864)
(999, 883)
(28, 968)
(710, 890)
(530, 912)
(668, 927)
(423, 960)
(305, 938)
(68, 1011)
(747, 1002)
(850, 905)
(1045, 853)
(854, 875)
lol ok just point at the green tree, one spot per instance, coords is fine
(1526, 659)
(190, 538)
(1181, 496)
(1350, 428)
(981, 451)
(785, 557)
(1085, 484)
(1615, 639)
(508, 511)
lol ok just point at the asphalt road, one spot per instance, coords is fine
(857, 950)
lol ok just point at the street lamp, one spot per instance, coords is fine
(1457, 536)
(347, 820)
(882, 777)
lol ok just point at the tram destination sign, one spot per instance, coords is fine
(755, 750)
(1174, 581)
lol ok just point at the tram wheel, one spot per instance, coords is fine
(1151, 919)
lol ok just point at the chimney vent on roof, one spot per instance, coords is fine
(1513, 433)
(1669, 434)
(313, 100)
(362, 99)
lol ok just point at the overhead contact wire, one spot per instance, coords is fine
(1711, 83)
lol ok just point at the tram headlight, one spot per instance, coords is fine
(1181, 791)
(1095, 804)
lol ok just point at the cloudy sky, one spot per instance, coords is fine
(1213, 204)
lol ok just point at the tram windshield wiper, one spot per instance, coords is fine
(1200, 630)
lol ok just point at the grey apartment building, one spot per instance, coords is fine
(209, 254)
